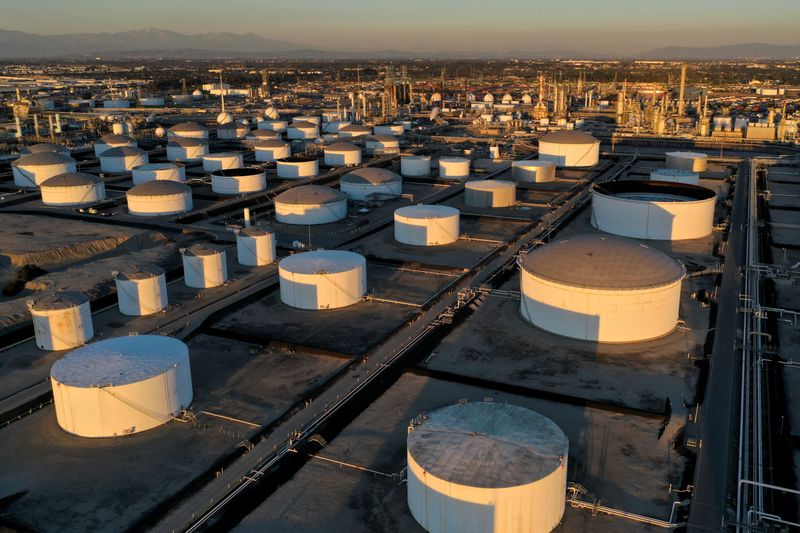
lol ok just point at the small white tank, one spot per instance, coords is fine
(269, 151)
(533, 171)
(490, 193)
(142, 290)
(123, 159)
(454, 167)
(426, 225)
(323, 279)
(261, 135)
(675, 175)
(159, 197)
(414, 166)
(302, 130)
(255, 247)
(389, 129)
(342, 154)
(232, 130)
(186, 149)
(382, 144)
(107, 142)
(159, 171)
(72, 189)
(238, 181)
(61, 320)
(204, 266)
(222, 161)
(354, 130)
(693, 161)
(298, 167)
(273, 125)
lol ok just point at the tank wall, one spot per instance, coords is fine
(695, 164)
(159, 205)
(360, 191)
(74, 195)
(323, 291)
(270, 155)
(340, 159)
(301, 169)
(123, 164)
(532, 174)
(34, 175)
(502, 197)
(426, 231)
(454, 169)
(62, 329)
(255, 251)
(205, 271)
(238, 184)
(173, 174)
(310, 214)
(142, 296)
(210, 164)
(570, 155)
(596, 315)
(415, 167)
(186, 153)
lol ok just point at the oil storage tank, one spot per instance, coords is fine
(232, 131)
(310, 204)
(44, 147)
(75, 188)
(121, 386)
(157, 198)
(533, 171)
(371, 182)
(123, 159)
(354, 130)
(141, 290)
(204, 266)
(323, 279)
(601, 288)
(188, 130)
(222, 161)
(569, 148)
(158, 171)
(454, 167)
(426, 225)
(659, 210)
(490, 193)
(107, 142)
(302, 130)
(61, 320)
(270, 150)
(273, 125)
(415, 166)
(482, 467)
(238, 181)
(389, 129)
(32, 170)
(693, 161)
(255, 247)
(342, 154)
(186, 149)
(677, 175)
(382, 144)
(297, 167)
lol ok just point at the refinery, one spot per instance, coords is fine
(399, 296)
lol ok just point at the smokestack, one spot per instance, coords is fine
(681, 104)
(246, 217)
(19, 128)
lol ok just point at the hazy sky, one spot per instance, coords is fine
(611, 26)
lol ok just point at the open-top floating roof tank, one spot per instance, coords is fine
(531, 171)
(107, 142)
(297, 167)
(601, 288)
(123, 159)
(238, 181)
(371, 182)
(490, 193)
(159, 197)
(342, 154)
(76, 188)
(255, 247)
(454, 167)
(204, 266)
(271, 150)
(570, 149)
(120, 386)
(142, 290)
(62, 320)
(659, 210)
(32, 170)
(693, 161)
(676, 175)
(426, 225)
(186, 149)
(222, 161)
(479, 467)
(310, 204)
(158, 171)
(415, 166)
(323, 279)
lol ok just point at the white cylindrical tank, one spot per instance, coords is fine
(454, 167)
(32, 170)
(142, 290)
(486, 467)
(426, 225)
(414, 166)
(324, 279)
(262, 135)
(76, 188)
(310, 204)
(158, 171)
(693, 161)
(123, 159)
(313, 119)
(530, 171)
(382, 144)
(120, 386)
(302, 130)
(107, 142)
(334, 126)
(232, 130)
(342, 154)
(658, 210)
(152, 101)
(273, 125)
(490, 193)
(676, 175)
(290, 168)
(238, 181)
(61, 320)
(44, 148)
(255, 247)
(570, 148)
(389, 129)
(601, 288)
(270, 150)
(159, 197)
(186, 149)
(188, 130)
(204, 266)
(354, 130)
(363, 183)
(222, 161)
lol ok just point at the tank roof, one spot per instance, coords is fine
(426, 211)
(488, 445)
(187, 127)
(255, 232)
(668, 190)
(233, 126)
(185, 142)
(310, 195)
(157, 166)
(201, 249)
(136, 272)
(384, 138)
(158, 188)
(43, 158)
(123, 151)
(322, 262)
(532, 163)
(302, 124)
(569, 137)
(342, 147)
(355, 128)
(44, 148)
(490, 185)
(270, 143)
(71, 179)
(371, 175)
(603, 262)
(113, 138)
(119, 361)
(59, 300)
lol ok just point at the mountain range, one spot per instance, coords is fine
(163, 44)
